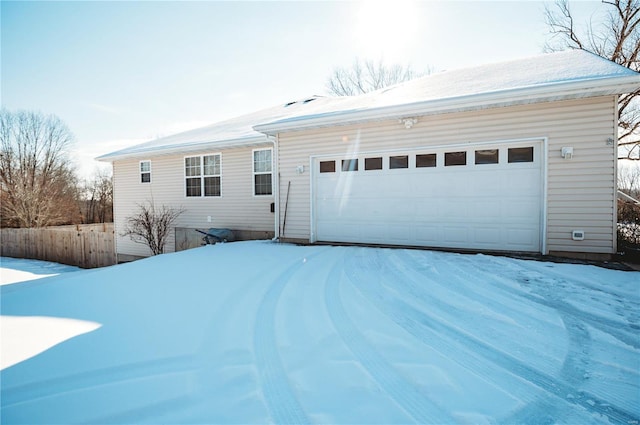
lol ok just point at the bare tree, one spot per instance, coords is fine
(365, 76)
(629, 179)
(151, 225)
(96, 202)
(617, 38)
(38, 186)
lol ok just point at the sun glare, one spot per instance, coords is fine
(386, 29)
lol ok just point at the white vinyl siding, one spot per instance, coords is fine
(238, 209)
(580, 191)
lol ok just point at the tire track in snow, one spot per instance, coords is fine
(543, 295)
(544, 291)
(398, 308)
(95, 378)
(436, 340)
(538, 410)
(279, 396)
(404, 393)
(574, 364)
(576, 367)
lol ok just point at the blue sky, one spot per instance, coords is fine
(120, 73)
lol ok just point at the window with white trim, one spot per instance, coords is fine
(262, 172)
(145, 171)
(202, 175)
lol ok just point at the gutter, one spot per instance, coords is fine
(553, 91)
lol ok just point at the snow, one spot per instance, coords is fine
(233, 132)
(467, 87)
(14, 270)
(25, 337)
(259, 332)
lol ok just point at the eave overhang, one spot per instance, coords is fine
(184, 148)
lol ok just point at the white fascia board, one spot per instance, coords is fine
(184, 148)
(542, 93)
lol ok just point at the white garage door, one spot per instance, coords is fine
(479, 197)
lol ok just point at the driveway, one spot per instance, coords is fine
(257, 332)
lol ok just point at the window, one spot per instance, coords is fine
(373, 163)
(202, 175)
(426, 160)
(455, 158)
(520, 154)
(145, 171)
(398, 162)
(487, 156)
(327, 166)
(349, 165)
(262, 172)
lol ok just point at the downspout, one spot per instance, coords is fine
(615, 172)
(276, 187)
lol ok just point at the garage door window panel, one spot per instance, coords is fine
(455, 158)
(327, 166)
(349, 165)
(486, 156)
(426, 160)
(396, 162)
(373, 163)
(520, 154)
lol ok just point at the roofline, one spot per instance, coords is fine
(180, 149)
(553, 91)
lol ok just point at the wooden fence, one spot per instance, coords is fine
(84, 245)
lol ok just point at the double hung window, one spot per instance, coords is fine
(145, 171)
(262, 172)
(202, 175)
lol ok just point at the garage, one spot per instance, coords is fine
(487, 196)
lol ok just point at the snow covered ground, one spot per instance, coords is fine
(257, 332)
(26, 336)
(14, 270)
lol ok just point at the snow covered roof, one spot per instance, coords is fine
(554, 76)
(233, 132)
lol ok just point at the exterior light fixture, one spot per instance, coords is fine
(567, 152)
(408, 122)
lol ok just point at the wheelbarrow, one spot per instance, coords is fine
(214, 235)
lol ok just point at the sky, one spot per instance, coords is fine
(121, 73)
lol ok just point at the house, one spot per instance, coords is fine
(514, 156)
(222, 175)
